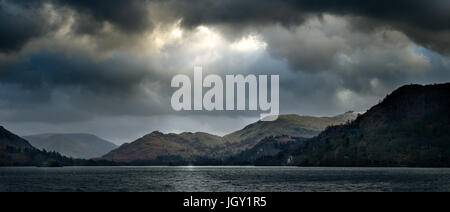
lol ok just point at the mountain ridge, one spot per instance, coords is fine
(410, 127)
(189, 146)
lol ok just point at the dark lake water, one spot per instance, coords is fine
(223, 179)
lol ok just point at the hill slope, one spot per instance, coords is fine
(159, 148)
(411, 127)
(10, 140)
(166, 148)
(267, 147)
(292, 125)
(83, 146)
(16, 151)
(13, 148)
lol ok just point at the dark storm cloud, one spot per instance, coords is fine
(426, 22)
(130, 15)
(235, 12)
(17, 26)
(75, 87)
(85, 64)
(48, 68)
(23, 20)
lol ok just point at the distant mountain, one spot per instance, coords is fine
(159, 148)
(16, 151)
(411, 127)
(84, 146)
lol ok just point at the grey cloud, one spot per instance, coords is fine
(419, 19)
(55, 87)
(18, 25)
(434, 40)
(130, 16)
(331, 45)
(346, 62)
(22, 21)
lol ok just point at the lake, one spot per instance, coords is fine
(222, 179)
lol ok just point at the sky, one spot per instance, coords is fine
(105, 67)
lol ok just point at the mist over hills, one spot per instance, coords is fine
(83, 146)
